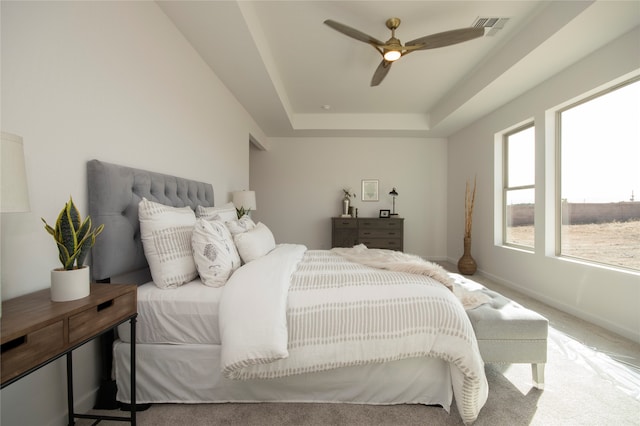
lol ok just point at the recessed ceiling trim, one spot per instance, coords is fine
(361, 121)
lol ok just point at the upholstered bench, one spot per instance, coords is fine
(508, 332)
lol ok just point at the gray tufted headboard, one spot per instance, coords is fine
(114, 194)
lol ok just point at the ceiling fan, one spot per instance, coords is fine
(392, 49)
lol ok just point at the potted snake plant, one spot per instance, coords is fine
(74, 238)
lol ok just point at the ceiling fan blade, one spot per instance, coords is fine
(446, 38)
(353, 33)
(381, 72)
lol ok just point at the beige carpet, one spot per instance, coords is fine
(592, 378)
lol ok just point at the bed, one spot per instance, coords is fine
(288, 324)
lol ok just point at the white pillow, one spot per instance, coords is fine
(224, 213)
(238, 226)
(255, 243)
(166, 239)
(214, 252)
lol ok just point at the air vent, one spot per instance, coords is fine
(491, 24)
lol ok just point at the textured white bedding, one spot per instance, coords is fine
(187, 314)
(180, 357)
(299, 311)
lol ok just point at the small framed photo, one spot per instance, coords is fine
(385, 213)
(370, 190)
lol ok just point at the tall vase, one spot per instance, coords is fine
(466, 264)
(345, 206)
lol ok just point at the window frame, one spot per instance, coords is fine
(559, 171)
(505, 183)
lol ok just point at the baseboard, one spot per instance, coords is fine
(594, 319)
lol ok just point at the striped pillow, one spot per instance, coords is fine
(166, 238)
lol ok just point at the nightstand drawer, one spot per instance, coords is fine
(87, 323)
(22, 353)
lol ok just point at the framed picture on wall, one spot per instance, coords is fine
(370, 190)
(385, 213)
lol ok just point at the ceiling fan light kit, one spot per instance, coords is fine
(392, 49)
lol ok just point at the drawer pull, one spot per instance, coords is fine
(105, 305)
(13, 343)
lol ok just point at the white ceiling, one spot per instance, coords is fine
(283, 64)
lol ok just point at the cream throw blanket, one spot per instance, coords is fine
(398, 261)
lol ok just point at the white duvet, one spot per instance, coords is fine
(298, 311)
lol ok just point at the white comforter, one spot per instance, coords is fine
(296, 311)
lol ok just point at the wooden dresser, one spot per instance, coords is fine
(386, 233)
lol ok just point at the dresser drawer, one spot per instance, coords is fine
(23, 352)
(86, 323)
(379, 233)
(380, 224)
(345, 223)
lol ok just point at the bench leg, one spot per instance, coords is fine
(537, 371)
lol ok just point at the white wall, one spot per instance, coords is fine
(114, 81)
(299, 182)
(605, 296)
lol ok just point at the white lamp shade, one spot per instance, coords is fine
(14, 195)
(244, 199)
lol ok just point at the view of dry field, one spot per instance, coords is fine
(615, 243)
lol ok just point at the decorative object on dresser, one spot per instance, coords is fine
(467, 265)
(346, 202)
(245, 202)
(370, 190)
(394, 194)
(385, 213)
(37, 331)
(74, 238)
(386, 233)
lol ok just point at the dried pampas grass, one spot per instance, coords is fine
(469, 202)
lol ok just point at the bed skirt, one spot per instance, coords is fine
(191, 374)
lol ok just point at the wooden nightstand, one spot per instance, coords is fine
(36, 331)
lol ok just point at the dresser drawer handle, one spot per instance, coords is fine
(11, 344)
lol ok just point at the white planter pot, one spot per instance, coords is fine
(70, 285)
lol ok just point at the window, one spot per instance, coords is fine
(519, 186)
(599, 217)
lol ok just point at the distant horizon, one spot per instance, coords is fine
(581, 202)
